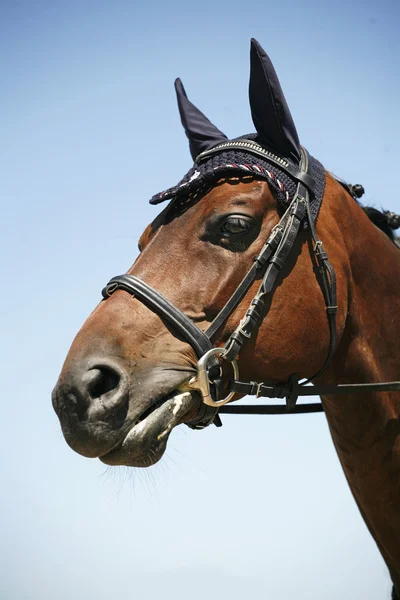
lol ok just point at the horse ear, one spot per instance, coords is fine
(201, 133)
(270, 112)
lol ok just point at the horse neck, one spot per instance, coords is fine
(369, 347)
(365, 427)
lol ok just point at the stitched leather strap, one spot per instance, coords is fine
(271, 409)
(293, 390)
(327, 280)
(251, 321)
(259, 262)
(163, 307)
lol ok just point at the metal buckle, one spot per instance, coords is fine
(317, 246)
(242, 323)
(202, 383)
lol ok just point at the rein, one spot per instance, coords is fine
(267, 265)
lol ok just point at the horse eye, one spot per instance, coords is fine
(235, 226)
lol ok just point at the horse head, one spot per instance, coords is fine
(126, 380)
(233, 263)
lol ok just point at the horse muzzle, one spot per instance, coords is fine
(107, 413)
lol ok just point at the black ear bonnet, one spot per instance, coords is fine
(276, 135)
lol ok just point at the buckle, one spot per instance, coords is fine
(242, 324)
(202, 382)
(258, 392)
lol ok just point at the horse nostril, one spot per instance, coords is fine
(106, 390)
(101, 380)
(90, 395)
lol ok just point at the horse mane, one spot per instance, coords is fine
(386, 220)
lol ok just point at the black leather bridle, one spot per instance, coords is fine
(267, 267)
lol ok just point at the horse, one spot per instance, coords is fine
(232, 277)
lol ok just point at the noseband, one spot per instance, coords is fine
(267, 267)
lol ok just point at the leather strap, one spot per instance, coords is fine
(163, 307)
(291, 222)
(292, 390)
(327, 280)
(259, 262)
(272, 409)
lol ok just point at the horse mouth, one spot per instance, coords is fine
(146, 440)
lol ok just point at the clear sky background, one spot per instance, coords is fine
(90, 131)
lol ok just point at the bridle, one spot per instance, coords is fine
(267, 266)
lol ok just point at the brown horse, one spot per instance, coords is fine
(131, 374)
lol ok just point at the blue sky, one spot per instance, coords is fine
(90, 131)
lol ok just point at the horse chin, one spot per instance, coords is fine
(146, 441)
